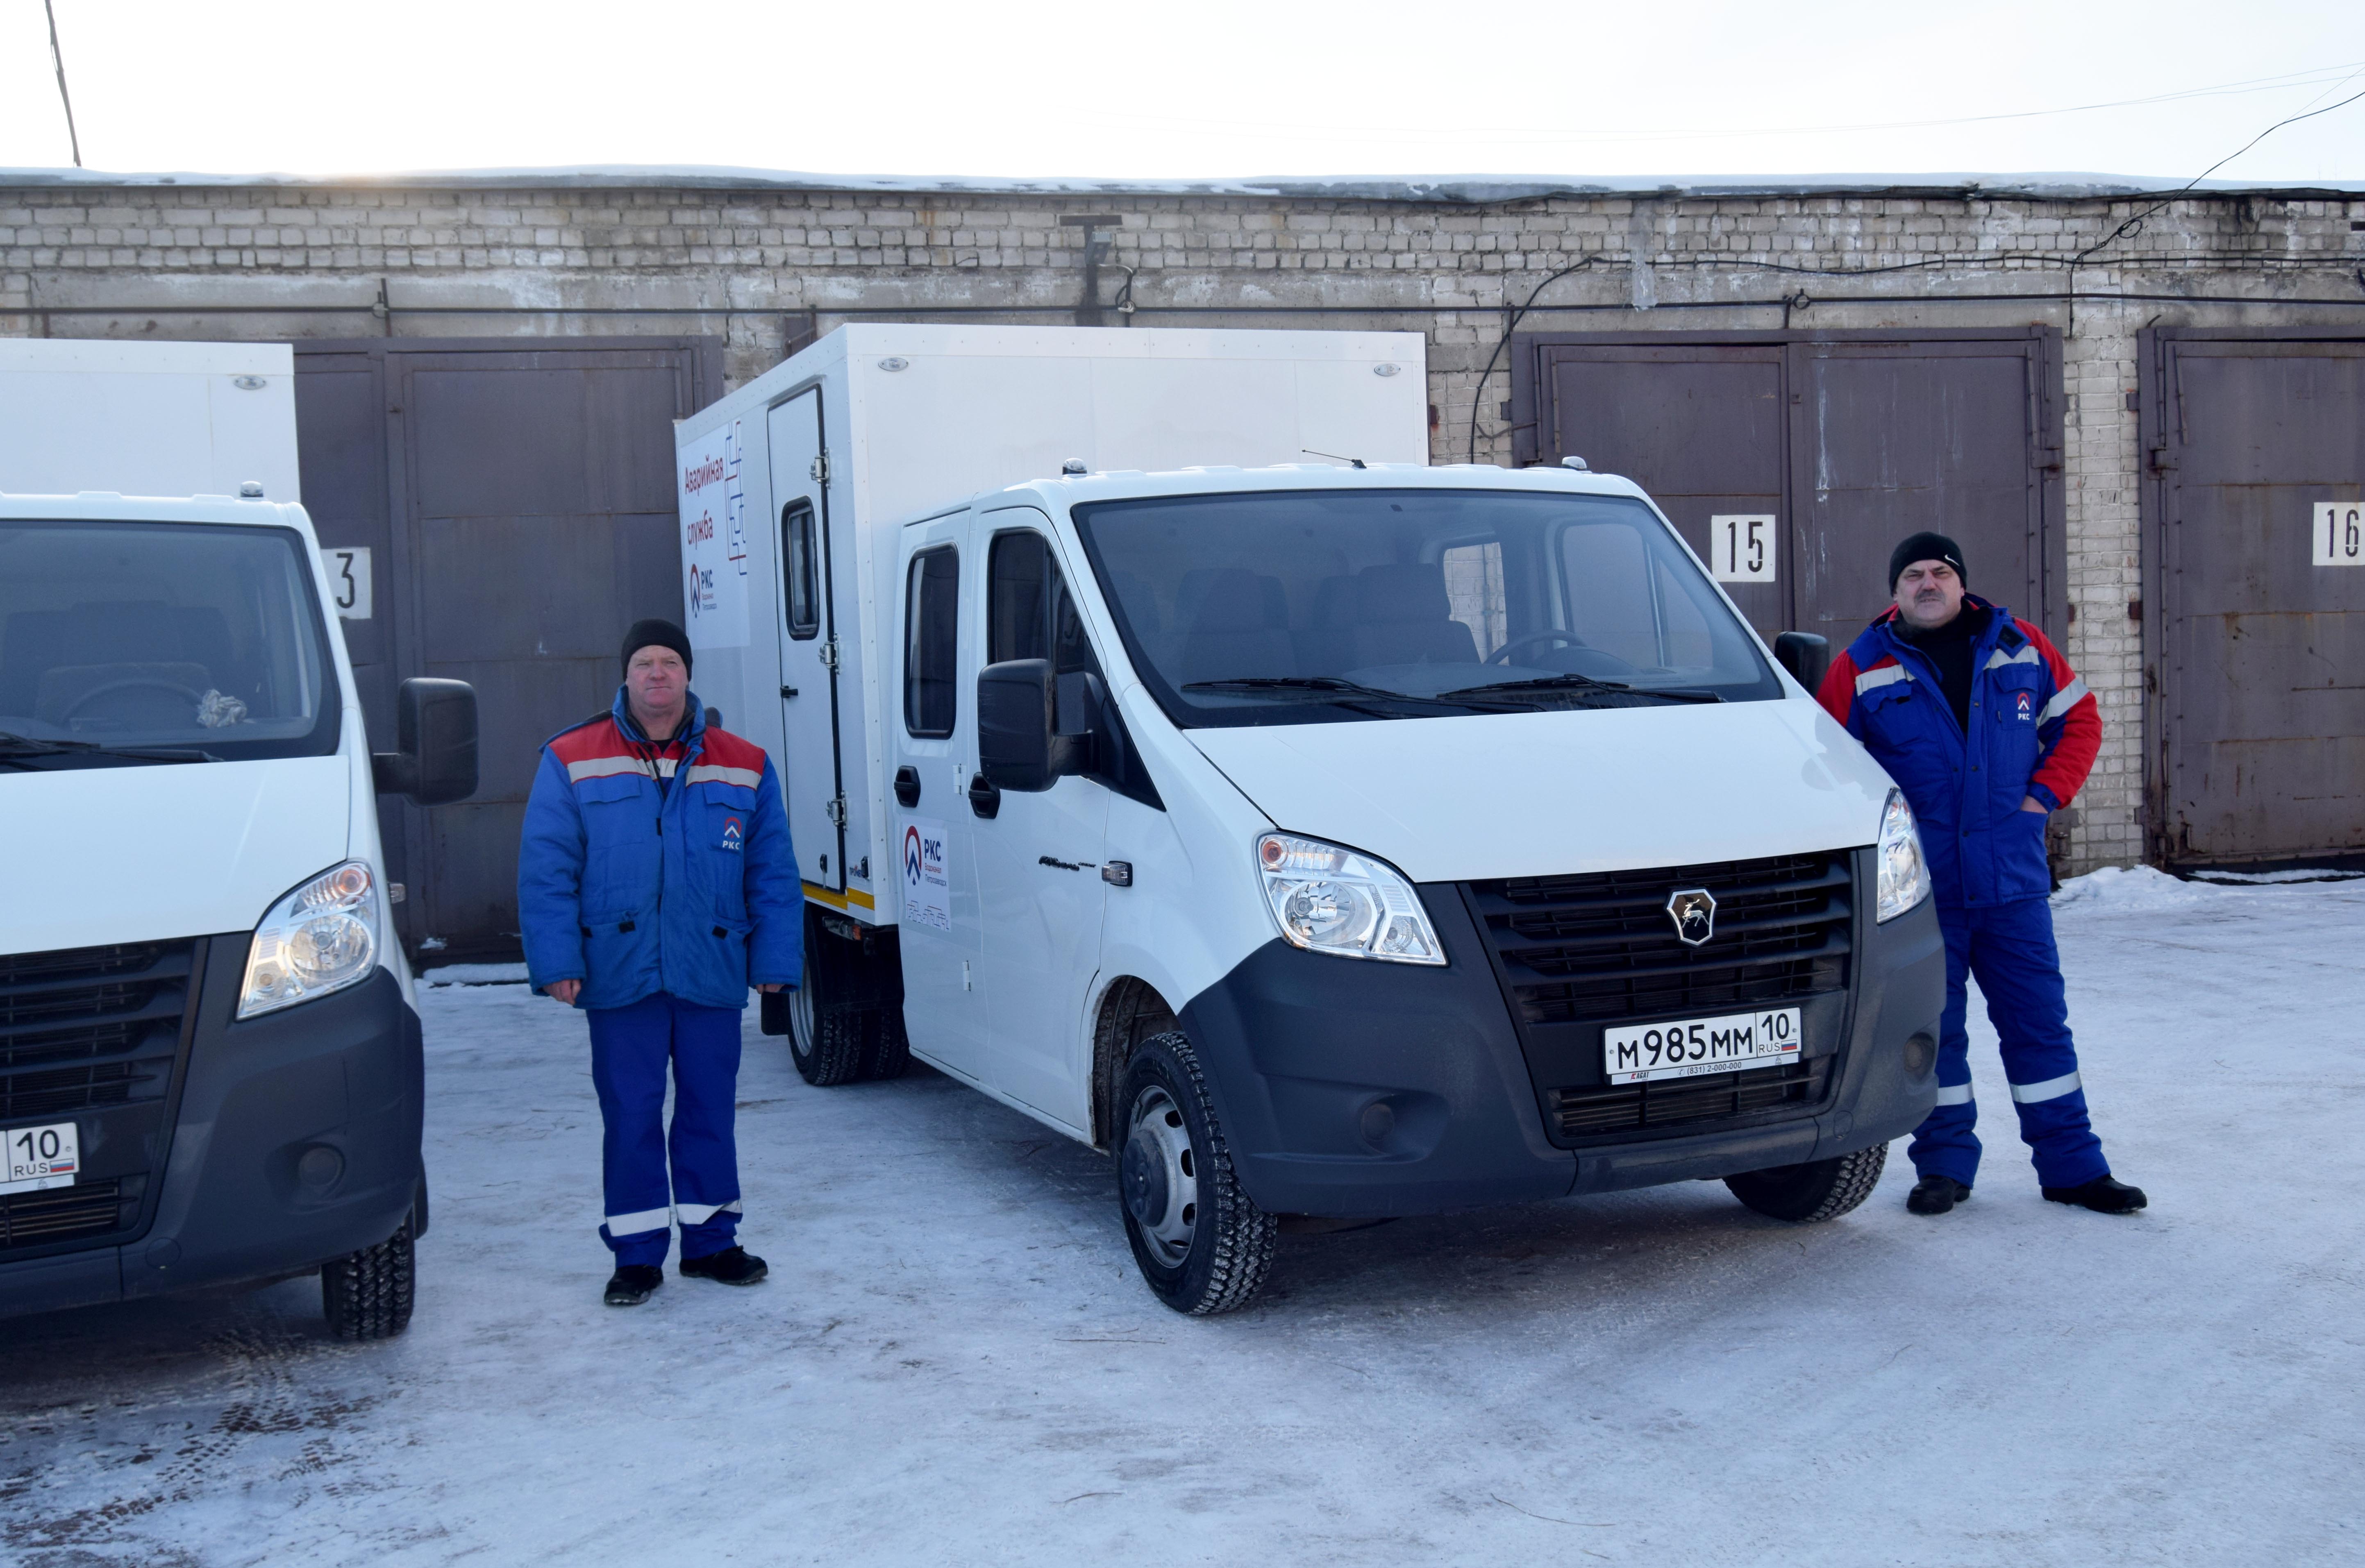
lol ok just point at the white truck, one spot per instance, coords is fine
(1174, 757)
(209, 1055)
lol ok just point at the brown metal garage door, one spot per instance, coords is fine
(1847, 441)
(2255, 626)
(518, 505)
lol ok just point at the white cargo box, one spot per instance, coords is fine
(146, 419)
(874, 426)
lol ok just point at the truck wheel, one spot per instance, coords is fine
(366, 1294)
(890, 1048)
(1819, 1190)
(826, 1043)
(1202, 1244)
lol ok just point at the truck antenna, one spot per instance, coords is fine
(1351, 461)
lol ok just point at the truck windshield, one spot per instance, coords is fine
(127, 643)
(1301, 606)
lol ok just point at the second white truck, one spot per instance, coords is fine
(1178, 759)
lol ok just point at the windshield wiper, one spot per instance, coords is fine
(13, 745)
(1510, 690)
(1342, 693)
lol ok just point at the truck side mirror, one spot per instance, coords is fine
(435, 730)
(1807, 656)
(1021, 745)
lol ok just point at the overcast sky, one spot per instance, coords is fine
(1212, 88)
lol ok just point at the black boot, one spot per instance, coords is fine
(2104, 1194)
(1936, 1194)
(632, 1284)
(731, 1266)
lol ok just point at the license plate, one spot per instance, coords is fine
(1698, 1045)
(36, 1158)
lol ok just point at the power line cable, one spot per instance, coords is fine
(58, 56)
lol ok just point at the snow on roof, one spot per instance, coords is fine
(1458, 190)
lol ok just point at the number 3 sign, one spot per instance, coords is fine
(2340, 533)
(1741, 548)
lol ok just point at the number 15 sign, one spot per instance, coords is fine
(1741, 547)
(2340, 533)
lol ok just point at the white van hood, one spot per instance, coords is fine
(139, 853)
(1543, 795)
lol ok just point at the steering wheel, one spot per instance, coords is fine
(1502, 655)
(134, 683)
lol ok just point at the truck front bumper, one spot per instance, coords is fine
(243, 1196)
(1365, 1088)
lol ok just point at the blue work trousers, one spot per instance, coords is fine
(2009, 948)
(631, 1048)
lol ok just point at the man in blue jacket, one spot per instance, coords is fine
(1987, 731)
(656, 884)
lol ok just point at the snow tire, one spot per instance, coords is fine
(367, 1294)
(829, 1045)
(1814, 1192)
(1223, 1259)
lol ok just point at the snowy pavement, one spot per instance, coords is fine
(953, 1361)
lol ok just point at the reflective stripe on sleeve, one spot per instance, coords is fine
(1872, 679)
(2051, 1089)
(2068, 697)
(622, 1226)
(699, 1213)
(1954, 1094)
(2027, 655)
(706, 770)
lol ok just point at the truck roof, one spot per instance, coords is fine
(105, 506)
(1131, 483)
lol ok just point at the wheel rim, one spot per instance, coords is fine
(1160, 1176)
(801, 1021)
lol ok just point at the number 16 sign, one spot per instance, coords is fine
(1741, 547)
(2340, 533)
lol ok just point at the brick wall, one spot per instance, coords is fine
(759, 266)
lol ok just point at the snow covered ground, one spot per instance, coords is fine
(953, 1361)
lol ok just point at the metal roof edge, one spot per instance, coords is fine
(1472, 190)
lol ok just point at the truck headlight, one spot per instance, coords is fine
(1904, 874)
(1329, 900)
(319, 939)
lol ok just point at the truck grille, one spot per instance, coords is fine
(1584, 1113)
(1601, 947)
(65, 1214)
(86, 1028)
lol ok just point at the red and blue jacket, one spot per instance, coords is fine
(2034, 732)
(648, 867)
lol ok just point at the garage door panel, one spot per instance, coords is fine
(2262, 657)
(475, 894)
(520, 704)
(1677, 423)
(543, 586)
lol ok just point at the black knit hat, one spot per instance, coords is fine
(659, 635)
(1925, 547)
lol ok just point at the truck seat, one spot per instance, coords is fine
(1237, 625)
(1403, 616)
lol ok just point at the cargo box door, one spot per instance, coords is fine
(812, 720)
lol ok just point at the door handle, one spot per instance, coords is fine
(984, 795)
(907, 786)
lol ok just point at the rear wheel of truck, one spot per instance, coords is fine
(1819, 1190)
(367, 1294)
(843, 1026)
(1201, 1242)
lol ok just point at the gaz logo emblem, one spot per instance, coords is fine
(2027, 706)
(732, 835)
(1694, 912)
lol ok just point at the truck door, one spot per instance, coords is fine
(1039, 855)
(934, 896)
(812, 761)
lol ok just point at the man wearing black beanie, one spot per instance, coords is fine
(1987, 731)
(655, 885)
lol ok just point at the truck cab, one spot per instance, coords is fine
(210, 1065)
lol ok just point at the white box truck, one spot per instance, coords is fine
(209, 1055)
(1175, 757)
